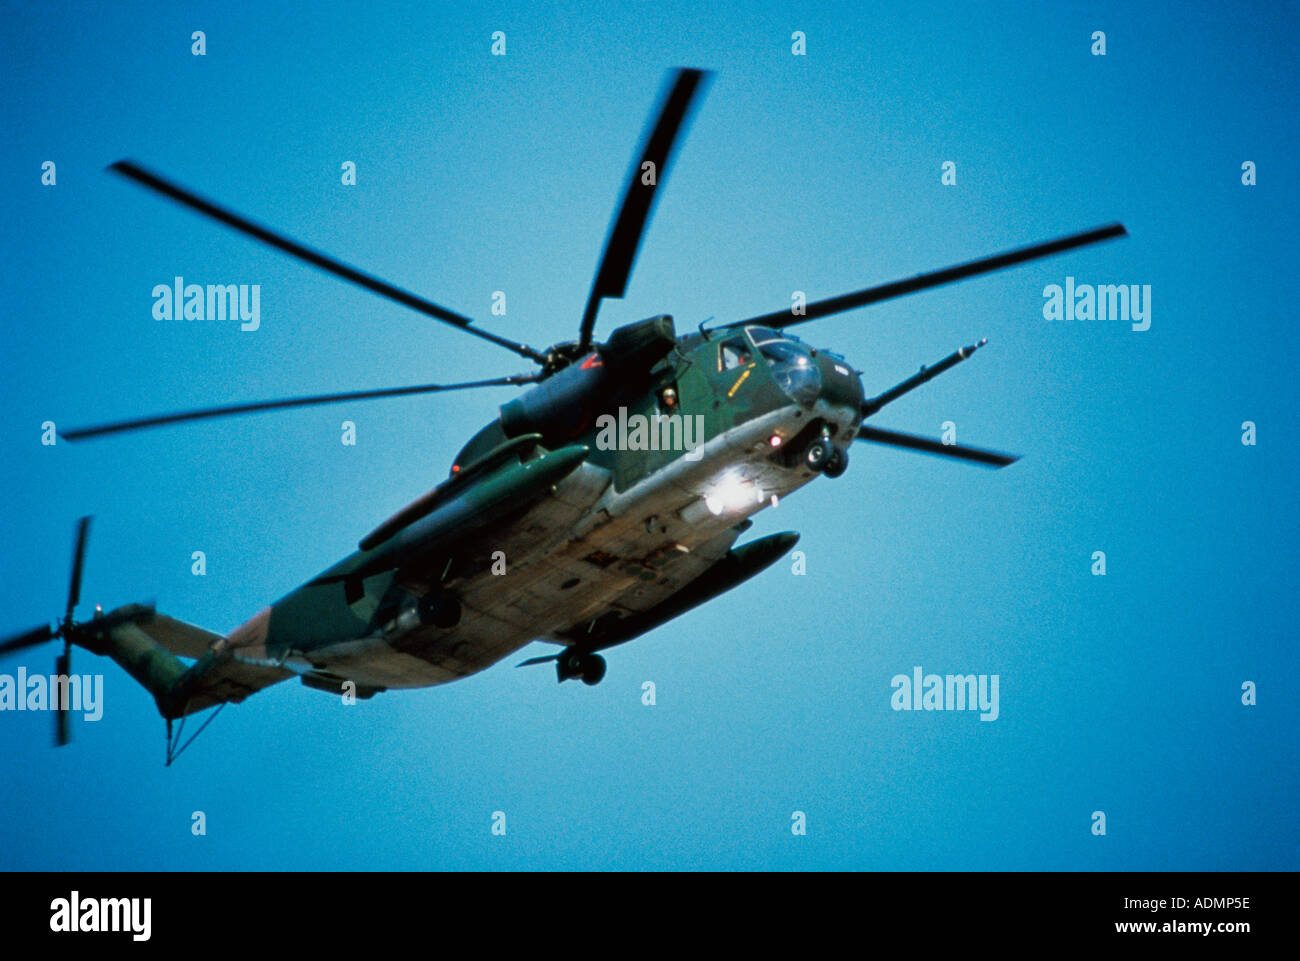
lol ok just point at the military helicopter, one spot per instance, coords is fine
(603, 502)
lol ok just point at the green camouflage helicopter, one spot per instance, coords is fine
(601, 503)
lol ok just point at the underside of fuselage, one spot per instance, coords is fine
(583, 552)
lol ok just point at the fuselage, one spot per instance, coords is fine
(669, 482)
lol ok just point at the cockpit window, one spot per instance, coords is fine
(784, 352)
(734, 352)
(763, 335)
(790, 361)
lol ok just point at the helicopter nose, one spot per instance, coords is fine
(841, 385)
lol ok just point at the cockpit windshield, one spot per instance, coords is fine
(765, 335)
(791, 363)
(783, 352)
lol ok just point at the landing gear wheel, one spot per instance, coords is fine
(818, 454)
(569, 665)
(837, 463)
(593, 669)
(589, 667)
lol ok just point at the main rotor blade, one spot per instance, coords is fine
(625, 233)
(977, 455)
(37, 635)
(141, 423)
(935, 278)
(158, 184)
(78, 559)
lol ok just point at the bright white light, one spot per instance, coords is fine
(732, 493)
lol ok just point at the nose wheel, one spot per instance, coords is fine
(589, 667)
(824, 457)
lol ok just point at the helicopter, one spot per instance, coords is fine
(604, 501)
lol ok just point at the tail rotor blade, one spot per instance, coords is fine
(37, 635)
(62, 668)
(78, 559)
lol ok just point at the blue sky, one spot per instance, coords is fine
(819, 173)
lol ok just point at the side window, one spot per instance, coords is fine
(668, 400)
(733, 353)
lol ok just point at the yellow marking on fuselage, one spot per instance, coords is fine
(736, 386)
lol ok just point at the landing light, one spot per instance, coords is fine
(732, 492)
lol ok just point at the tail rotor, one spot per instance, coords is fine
(70, 631)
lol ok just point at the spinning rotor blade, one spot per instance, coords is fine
(935, 278)
(62, 668)
(78, 559)
(86, 634)
(893, 438)
(141, 423)
(37, 635)
(44, 633)
(625, 234)
(158, 184)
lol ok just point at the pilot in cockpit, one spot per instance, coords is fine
(735, 353)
